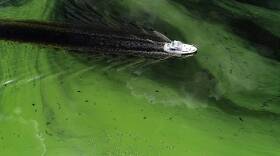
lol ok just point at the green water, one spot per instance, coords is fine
(223, 101)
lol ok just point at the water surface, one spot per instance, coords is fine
(223, 101)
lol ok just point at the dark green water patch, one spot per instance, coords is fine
(206, 10)
(77, 12)
(266, 43)
(230, 107)
(15, 3)
(269, 4)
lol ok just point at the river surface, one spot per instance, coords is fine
(223, 101)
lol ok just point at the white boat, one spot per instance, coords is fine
(180, 49)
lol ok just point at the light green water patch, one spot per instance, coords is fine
(37, 10)
(55, 103)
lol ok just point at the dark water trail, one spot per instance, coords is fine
(83, 38)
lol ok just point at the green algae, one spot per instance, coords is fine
(223, 101)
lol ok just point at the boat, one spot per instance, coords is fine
(179, 49)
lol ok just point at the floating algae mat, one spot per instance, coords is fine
(223, 101)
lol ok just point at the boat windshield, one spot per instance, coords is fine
(176, 45)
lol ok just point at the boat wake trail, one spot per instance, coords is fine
(94, 40)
